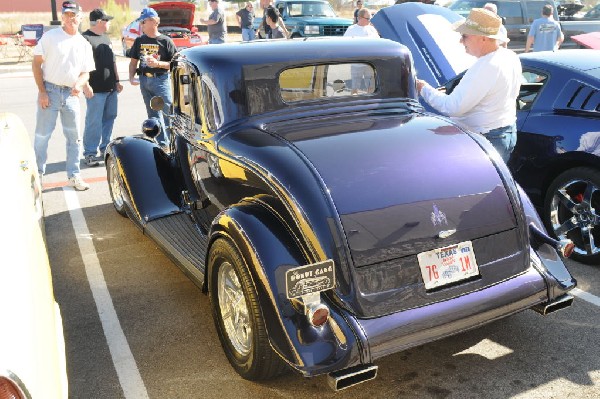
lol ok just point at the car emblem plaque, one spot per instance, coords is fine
(310, 279)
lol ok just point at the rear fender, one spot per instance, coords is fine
(153, 186)
(269, 250)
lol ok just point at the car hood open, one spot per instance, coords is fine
(175, 13)
(427, 31)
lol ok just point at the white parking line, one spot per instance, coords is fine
(586, 296)
(127, 371)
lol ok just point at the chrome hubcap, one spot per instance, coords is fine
(234, 310)
(573, 215)
(115, 186)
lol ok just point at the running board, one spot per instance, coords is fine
(559, 303)
(351, 376)
(182, 241)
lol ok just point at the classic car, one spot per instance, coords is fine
(32, 347)
(176, 21)
(556, 159)
(280, 171)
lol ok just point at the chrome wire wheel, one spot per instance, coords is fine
(115, 186)
(571, 209)
(234, 310)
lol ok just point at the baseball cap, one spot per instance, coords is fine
(148, 13)
(99, 13)
(71, 6)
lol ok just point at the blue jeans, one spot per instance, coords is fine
(63, 103)
(216, 41)
(247, 34)
(99, 121)
(504, 140)
(158, 86)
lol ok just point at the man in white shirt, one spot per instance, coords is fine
(485, 99)
(362, 75)
(363, 27)
(67, 60)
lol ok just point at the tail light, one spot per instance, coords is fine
(10, 390)
(317, 314)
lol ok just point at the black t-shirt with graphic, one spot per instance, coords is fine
(161, 47)
(103, 79)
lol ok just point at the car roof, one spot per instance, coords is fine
(579, 59)
(244, 76)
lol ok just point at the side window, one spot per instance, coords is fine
(531, 86)
(185, 96)
(210, 102)
(183, 92)
(295, 9)
(316, 82)
(534, 9)
(512, 12)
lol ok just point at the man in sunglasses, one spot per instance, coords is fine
(362, 75)
(485, 100)
(101, 90)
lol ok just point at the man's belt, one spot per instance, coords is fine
(153, 75)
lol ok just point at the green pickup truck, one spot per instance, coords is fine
(308, 18)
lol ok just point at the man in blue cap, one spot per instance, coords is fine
(151, 56)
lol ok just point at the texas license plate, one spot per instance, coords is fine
(443, 266)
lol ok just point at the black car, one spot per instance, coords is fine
(331, 223)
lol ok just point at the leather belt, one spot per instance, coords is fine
(153, 75)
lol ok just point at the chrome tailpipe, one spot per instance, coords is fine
(559, 303)
(351, 376)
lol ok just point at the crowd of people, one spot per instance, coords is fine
(67, 63)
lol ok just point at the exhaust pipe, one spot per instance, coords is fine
(351, 376)
(560, 303)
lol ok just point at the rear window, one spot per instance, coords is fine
(315, 82)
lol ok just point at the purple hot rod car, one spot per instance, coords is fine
(330, 218)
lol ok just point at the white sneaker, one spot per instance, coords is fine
(78, 184)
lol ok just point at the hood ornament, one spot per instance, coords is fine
(438, 217)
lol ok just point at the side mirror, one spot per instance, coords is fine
(157, 103)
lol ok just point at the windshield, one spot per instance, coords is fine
(310, 9)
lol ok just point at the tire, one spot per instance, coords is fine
(237, 315)
(115, 186)
(295, 35)
(570, 211)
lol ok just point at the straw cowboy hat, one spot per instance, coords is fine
(481, 22)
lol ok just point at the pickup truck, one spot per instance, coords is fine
(575, 25)
(307, 18)
(518, 15)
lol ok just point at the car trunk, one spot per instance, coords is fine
(403, 186)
